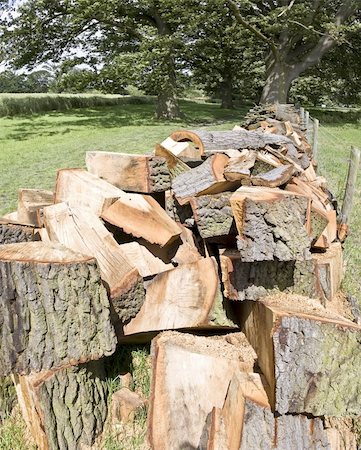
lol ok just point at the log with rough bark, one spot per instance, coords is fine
(64, 409)
(136, 173)
(179, 213)
(188, 296)
(191, 375)
(271, 224)
(54, 309)
(12, 232)
(262, 430)
(246, 422)
(251, 281)
(175, 165)
(213, 215)
(205, 179)
(210, 142)
(329, 270)
(239, 168)
(80, 188)
(29, 203)
(82, 231)
(309, 355)
(273, 178)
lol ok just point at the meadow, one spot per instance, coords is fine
(34, 146)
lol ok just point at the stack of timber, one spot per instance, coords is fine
(219, 247)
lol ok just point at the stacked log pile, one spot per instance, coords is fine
(220, 246)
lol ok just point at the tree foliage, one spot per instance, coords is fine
(297, 33)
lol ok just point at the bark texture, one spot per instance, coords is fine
(11, 233)
(271, 225)
(211, 142)
(52, 313)
(251, 281)
(261, 430)
(309, 356)
(213, 215)
(205, 179)
(65, 409)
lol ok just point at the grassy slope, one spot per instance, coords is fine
(339, 130)
(32, 148)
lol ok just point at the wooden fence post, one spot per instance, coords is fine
(302, 114)
(349, 192)
(316, 124)
(307, 120)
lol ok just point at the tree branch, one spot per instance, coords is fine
(233, 7)
(326, 42)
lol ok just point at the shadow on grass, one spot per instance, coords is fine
(49, 124)
(336, 117)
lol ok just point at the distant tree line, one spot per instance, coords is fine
(259, 50)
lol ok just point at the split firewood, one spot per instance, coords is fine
(262, 430)
(64, 409)
(268, 158)
(239, 168)
(142, 217)
(136, 173)
(329, 232)
(146, 262)
(284, 158)
(252, 281)
(179, 149)
(205, 179)
(213, 215)
(308, 354)
(210, 142)
(12, 232)
(136, 214)
(329, 270)
(191, 375)
(246, 422)
(317, 194)
(175, 165)
(29, 203)
(181, 214)
(82, 231)
(271, 224)
(11, 216)
(223, 428)
(80, 188)
(54, 309)
(274, 178)
(181, 298)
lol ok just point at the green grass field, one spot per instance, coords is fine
(33, 147)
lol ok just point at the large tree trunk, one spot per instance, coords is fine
(226, 93)
(278, 81)
(167, 103)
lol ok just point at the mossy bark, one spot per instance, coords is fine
(51, 315)
(65, 409)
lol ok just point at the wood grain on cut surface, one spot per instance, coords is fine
(191, 375)
(142, 217)
(80, 188)
(271, 224)
(274, 178)
(175, 165)
(82, 231)
(54, 309)
(29, 203)
(182, 298)
(136, 173)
